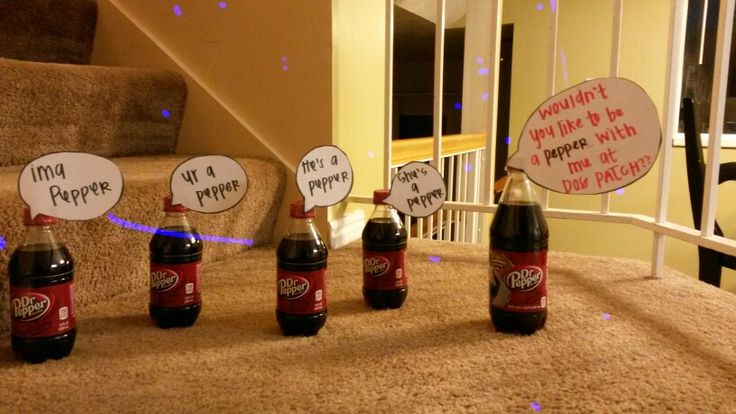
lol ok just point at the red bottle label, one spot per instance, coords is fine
(384, 270)
(175, 285)
(518, 281)
(42, 311)
(301, 293)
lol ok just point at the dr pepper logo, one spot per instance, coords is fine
(30, 306)
(163, 280)
(375, 266)
(293, 287)
(524, 279)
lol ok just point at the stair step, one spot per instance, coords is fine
(48, 30)
(111, 260)
(112, 112)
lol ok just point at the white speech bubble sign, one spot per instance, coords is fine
(208, 184)
(324, 177)
(595, 137)
(70, 185)
(417, 190)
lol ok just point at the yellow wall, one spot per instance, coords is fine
(241, 100)
(585, 37)
(358, 92)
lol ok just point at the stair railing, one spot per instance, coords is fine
(461, 164)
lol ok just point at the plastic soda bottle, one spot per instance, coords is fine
(176, 262)
(301, 256)
(41, 273)
(518, 259)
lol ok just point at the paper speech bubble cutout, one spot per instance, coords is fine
(417, 190)
(208, 184)
(70, 185)
(324, 176)
(595, 137)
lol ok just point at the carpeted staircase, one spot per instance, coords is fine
(52, 100)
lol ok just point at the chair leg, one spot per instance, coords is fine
(710, 266)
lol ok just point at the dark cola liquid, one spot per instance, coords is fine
(37, 266)
(518, 228)
(384, 235)
(301, 253)
(171, 249)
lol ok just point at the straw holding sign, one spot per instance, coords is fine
(70, 185)
(417, 190)
(595, 137)
(324, 177)
(208, 184)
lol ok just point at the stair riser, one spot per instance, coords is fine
(48, 30)
(112, 112)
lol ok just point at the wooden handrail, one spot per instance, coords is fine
(420, 149)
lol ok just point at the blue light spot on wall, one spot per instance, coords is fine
(508, 140)
(148, 229)
(607, 316)
(553, 5)
(458, 106)
(434, 259)
(484, 96)
(177, 10)
(222, 5)
(479, 59)
(2, 243)
(165, 113)
(483, 71)
(536, 406)
(540, 7)
(620, 191)
(285, 67)
(468, 167)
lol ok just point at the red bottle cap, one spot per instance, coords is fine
(379, 196)
(39, 220)
(297, 210)
(173, 208)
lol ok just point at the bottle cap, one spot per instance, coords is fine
(379, 196)
(173, 208)
(39, 220)
(297, 210)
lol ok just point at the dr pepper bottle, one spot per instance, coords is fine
(301, 257)
(384, 256)
(41, 273)
(518, 259)
(176, 262)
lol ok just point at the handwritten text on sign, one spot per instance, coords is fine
(208, 184)
(70, 185)
(417, 189)
(324, 177)
(593, 138)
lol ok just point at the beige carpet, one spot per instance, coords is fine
(668, 345)
(111, 112)
(48, 30)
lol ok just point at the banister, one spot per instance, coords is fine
(420, 149)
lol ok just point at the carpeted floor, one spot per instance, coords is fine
(616, 341)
